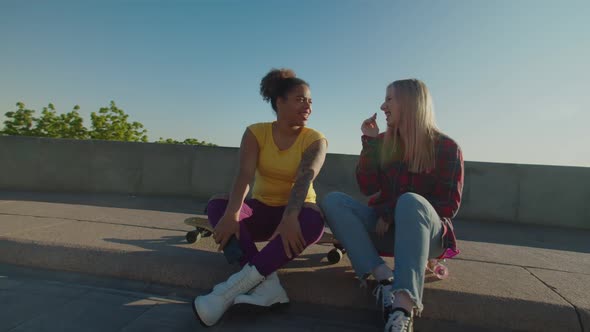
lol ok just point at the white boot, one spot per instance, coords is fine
(209, 308)
(266, 294)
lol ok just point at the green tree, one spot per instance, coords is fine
(188, 141)
(194, 141)
(73, 125)
(167, 141)
(47, 125)
(111, 123)
(68, 125)
(19, 122)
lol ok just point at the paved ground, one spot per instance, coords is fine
(42, 300)
(508, 276)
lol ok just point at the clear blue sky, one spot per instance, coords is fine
(509, 78)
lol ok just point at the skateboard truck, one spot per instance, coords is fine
(195, 236)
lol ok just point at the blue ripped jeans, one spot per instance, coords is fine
(416, 238)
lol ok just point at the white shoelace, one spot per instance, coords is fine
(397, 322)
(383, 293)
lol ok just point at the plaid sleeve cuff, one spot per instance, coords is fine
(368, 141)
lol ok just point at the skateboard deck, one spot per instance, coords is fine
(203, 229)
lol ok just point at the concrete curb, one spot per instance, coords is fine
(332, 286)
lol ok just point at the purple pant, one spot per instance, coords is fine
(258, 223)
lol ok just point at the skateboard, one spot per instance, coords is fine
(203, 229)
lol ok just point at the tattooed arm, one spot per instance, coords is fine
(309, 167)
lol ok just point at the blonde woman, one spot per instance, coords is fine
(415, 174)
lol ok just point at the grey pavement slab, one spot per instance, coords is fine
(94, 311)
(11, 225)
(551, 248)
(572, 287)
(24, 302)
(180, 204)
(476, 292)
(97, 214)
(550, 259)
(6, 283)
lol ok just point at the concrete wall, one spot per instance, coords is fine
(531, 194)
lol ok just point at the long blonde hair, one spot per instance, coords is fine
(416, 124)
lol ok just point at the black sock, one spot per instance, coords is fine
(406, 313)
(386, 282)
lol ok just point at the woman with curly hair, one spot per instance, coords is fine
(282, 158)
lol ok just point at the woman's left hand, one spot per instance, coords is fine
(290, 231)
(382, 227)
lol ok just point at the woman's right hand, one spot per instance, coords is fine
(369, 126)
(227, 226)
(381, 228)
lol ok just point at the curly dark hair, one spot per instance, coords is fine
(278, 83)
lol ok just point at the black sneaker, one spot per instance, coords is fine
(384, 295)
(400, 321)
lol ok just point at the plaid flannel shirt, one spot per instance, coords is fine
(442, 186)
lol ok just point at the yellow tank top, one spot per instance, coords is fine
(276, 171)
